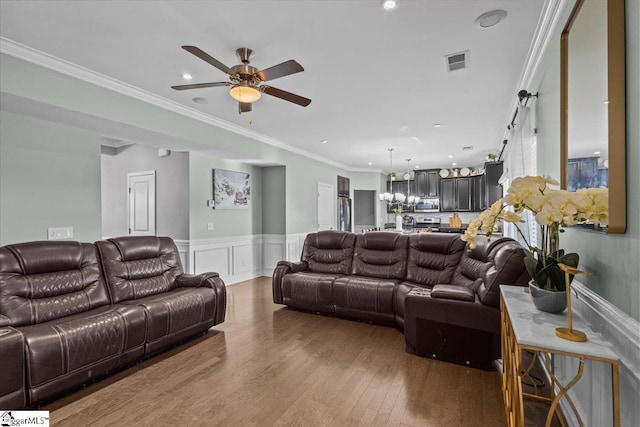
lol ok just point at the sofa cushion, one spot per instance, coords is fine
(43, 281)
(61, 347)
(309, 288)
(329, 252)
(433, 257)
(171, 312)
(365, 293)
(139, 266)
(381, 255)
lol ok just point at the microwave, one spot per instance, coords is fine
(428, 205)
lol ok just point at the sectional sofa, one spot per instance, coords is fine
(71, 312)
(444, 297)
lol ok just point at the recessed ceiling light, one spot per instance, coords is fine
(451, 156)
(187, 76)
(437, 125)
(324, 141)
(606, 101)
(370, 163)
(417, 167)
(491, 18)
(200, 100)
(597, 153)
(453, 164)
(389, 4)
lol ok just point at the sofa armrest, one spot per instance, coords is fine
(295, 267)
(196, 280)
(283, 268)
(208, 280)
(459, 293)
(4, 320)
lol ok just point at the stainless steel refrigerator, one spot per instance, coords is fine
(344, 214)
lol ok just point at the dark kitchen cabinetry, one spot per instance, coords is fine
(427, 183)
(479, 197)
(343, 186)
(493, 172)
(582, 173)
(455, 194)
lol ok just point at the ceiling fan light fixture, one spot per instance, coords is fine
(245, 94)
(389, 4)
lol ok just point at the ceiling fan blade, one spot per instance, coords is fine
(280, 70)
(287, 96)
(244, 107)
(207, 58)
(200, 85)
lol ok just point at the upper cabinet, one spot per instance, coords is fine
(343, 186)
(455, 194)
(493, 171)
(427, 183)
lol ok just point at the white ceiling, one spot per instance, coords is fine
(377, 79)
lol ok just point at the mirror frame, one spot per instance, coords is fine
(617, 119)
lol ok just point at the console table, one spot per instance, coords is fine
(526, 328)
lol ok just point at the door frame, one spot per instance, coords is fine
(334, 217)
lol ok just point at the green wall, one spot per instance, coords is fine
(23, 79)
(49, 177)
(611, 260)
(274, 200)
(226, 222)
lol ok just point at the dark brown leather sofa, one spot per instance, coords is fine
(63, 322)
(427, 284)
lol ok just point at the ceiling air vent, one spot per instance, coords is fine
(457, 61)
(467, 148)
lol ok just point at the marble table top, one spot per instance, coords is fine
(536, 328)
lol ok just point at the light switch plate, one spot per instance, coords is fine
(210, 226)
(60, 233)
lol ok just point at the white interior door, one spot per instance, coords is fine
(142, 203)
(326, 207)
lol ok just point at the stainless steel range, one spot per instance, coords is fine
(426, 222)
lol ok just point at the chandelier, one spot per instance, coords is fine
(397, 200)
(411, 200)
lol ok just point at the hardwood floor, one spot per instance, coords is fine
(269, 365)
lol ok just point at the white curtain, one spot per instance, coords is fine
(520, 160)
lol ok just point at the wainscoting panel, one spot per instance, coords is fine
(592, 394)
(295, 242)
(183, 251)
(246, 258)
(273, 250)
(206, 260)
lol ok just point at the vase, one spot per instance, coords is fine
(546, 300)
(398, 223)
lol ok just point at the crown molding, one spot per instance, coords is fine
(552, 11)
(62, 66)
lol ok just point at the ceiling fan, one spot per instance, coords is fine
(246, 81)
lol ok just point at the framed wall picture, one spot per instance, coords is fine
(231, 190)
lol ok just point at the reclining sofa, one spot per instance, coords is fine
(71, 312)
(444, 297)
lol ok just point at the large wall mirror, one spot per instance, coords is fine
(593, 104)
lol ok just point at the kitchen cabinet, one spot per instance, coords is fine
(493, 172)
(343, 186)
(479, 196)
(582, 173)
(427, 183)
(455, 194)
